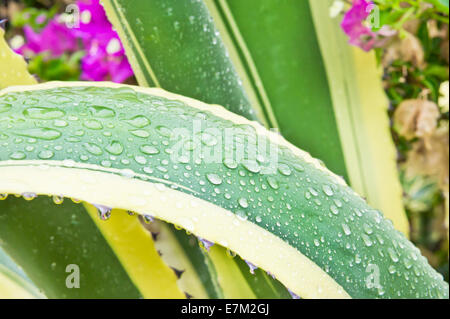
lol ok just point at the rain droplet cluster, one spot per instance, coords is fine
(305, 206)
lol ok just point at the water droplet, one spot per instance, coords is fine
(93, 124)
(251, 266)
(140, 160)
(243, 202)
(40, 133)
(367, 241)
(60, 123)
(208, 139)
(140, 133)
(327, 190)
(164, 131)
(214, 178)
(230, 163)
(392, 269)
(149, 149)
(29, 196)
(293, 295)
(334, 210)
(139, 121)
(408, 263)
(58, 200)
(17, 155)
(368, 229)
(148, 219)
(393, 254)
(252, 166)
(272, 181)
(313, 191)
(346, 229)
(284, 169)
(241, 215)
(46, 154)
(206, 243)
(114, 148)
(43, 113)
(101, 111)
(92, 148)
(104, 212)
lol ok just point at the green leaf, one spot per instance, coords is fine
(441, 5)
(45, 252)
(175, 45)
(294, 79)
(285, 214)
(361, 110)
(13, 67)
(13, 281)
(197, 275)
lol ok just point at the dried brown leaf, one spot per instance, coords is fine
(430, 156)
(416, 118)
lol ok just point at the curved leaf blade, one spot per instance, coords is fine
(361, 108)
(45, 252)
(175, 45)
(13, 67)
(340, 237)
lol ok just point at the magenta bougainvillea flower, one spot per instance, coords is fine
(104, 57)
(353, 24)
(55, 39)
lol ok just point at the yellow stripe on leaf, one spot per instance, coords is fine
(136, 251)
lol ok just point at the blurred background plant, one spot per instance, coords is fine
(64, 42)
(411, 41)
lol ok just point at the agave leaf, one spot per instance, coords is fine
(159, 35)
(221, 275)
(139, 265)
(14, 71)
(339, 111)
(13, 286)
(271, 38)
(13, 281)
(309, 230)
(70, 237)
(167, 41)
(13, 67)
(262, 283)
(197, 276)
(135, 249)
(280, 53)
(361, 106)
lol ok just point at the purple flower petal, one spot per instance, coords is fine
(95, 33)
(353, 24)
(55, 38)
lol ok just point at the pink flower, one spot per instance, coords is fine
(55, 38)
(353, 25)
(105, 58)
(99, 65)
